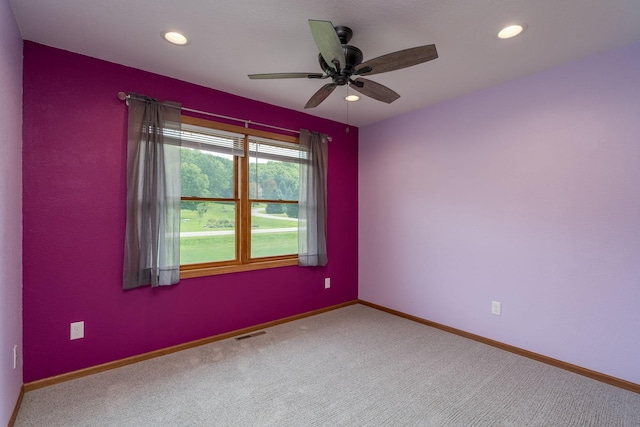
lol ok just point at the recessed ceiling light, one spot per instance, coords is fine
(175, 38)
(352, 98)
(511, 31)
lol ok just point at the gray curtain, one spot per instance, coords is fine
(312, 200)
(152, 236)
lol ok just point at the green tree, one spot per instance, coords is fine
(266, 177)
(291, 210)
(219, 171)
(274, 208)
(201, 209)
(193, 183)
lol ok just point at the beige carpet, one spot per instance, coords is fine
(354, 366)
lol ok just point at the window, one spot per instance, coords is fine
(239, 204)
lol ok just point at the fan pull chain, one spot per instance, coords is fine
(346, 130)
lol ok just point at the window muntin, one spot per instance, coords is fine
(243, 174)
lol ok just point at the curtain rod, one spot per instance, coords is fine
(123, 97)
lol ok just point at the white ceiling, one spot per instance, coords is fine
(230, 39)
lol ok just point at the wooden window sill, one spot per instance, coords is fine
(187, 273)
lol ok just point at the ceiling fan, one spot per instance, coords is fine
(340, 61)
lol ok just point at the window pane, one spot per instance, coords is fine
(206, 174)
(207, 232)
(274, 229)
(273, 171)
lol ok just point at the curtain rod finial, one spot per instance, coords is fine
(122, 96)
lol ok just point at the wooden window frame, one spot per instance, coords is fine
(243, 261)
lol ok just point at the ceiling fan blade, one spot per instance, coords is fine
(374, 90)
(328, 43)
(320, 95)
(286, 76)
(397, 60)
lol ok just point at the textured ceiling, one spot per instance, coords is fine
(230, 39)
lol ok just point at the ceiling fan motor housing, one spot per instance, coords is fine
(353, 58)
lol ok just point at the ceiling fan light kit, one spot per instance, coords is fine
(341, 61)
(175, 37)
(512, 31)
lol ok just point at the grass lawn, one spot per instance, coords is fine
(272, 244)
(218, 213)
(194, 250)
(219, 217)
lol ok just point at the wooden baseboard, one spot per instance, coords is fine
(12, 420)
(627, 385)
(150, 355)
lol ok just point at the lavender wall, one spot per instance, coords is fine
(10, 210)
(74, 213)
(526, 193)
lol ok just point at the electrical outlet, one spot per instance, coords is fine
(496, 308)
(327, 283)
(15, 356)
(77, 330)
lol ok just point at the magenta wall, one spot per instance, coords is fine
(527, 193)
(74, 213)
(10, 210)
